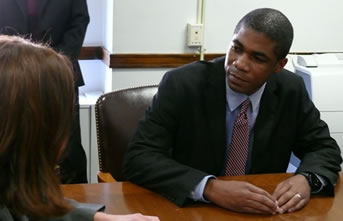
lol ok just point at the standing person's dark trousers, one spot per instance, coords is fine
(62, 24)
(73, 166)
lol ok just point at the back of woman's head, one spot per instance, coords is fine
(36, 108)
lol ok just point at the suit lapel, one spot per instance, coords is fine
(215, 106)
(264, 125)
(22, 5)
(42, 5)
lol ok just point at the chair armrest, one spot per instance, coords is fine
(105, 177)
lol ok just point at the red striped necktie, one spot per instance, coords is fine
(239, 147)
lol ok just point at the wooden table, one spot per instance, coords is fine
(125, 198)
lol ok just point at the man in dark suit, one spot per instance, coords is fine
(62, 24)
(187, 136)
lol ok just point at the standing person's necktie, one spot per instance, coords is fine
(33, 18)
(239, 147)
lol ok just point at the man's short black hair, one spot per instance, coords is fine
(273, 24)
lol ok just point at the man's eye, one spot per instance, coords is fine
(259, 59)
(236, 48)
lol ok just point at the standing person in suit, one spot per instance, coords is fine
(36, 111)
(62, 24)
(189, 134)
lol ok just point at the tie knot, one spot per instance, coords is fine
(245, 105)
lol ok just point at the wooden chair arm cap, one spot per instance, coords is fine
(105, 177)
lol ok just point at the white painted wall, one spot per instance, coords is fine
(124, 78)
(159, 26)
(316, 23)
(97, 76)
(152, 26)
(100, 28)
(149, 26)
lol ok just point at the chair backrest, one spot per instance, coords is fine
(117, 115)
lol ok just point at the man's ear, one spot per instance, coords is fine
(280, 64)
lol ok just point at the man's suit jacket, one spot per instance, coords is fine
(63, 24)
(182, 138)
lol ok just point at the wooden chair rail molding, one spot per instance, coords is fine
(148, 60)
(140, 60)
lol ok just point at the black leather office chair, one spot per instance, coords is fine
(117, 114)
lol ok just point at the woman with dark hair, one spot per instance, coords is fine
(36, 111)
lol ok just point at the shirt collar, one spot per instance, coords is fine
(234, 99)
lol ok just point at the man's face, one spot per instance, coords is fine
(250, 61)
